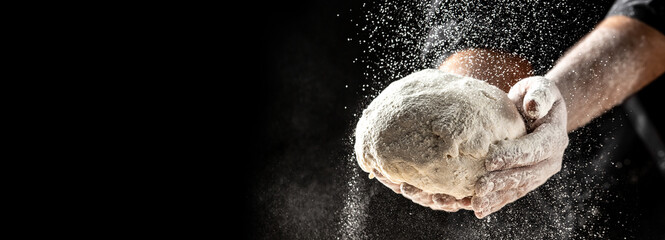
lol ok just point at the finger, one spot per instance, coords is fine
(449, 203)
(539, 97)
(445, 208)
(444, 202)
(465, 203)
(557, 117)
(548, 139)
(517, 92)
(517, 177)
(498, 200)
(424, 200)
(416, 195)
(534, 96)
(409, 190)
(385, 181)
(509, 185)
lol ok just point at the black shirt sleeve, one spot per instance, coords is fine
(651, 12)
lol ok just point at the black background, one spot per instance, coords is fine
(305, 90)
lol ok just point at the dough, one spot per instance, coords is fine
(432, 129)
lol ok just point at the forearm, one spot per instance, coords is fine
(614, 61)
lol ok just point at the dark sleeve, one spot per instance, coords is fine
(651, 12)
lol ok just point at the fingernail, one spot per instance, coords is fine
(532, 109)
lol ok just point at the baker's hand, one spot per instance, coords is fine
(435, 201)
(518, 166)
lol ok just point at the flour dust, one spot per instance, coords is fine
(401, 37)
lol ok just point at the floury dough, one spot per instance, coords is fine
(432, 129)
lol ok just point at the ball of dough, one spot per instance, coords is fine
(432, 129)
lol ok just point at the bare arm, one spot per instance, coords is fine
(614, 61)
(619, 57)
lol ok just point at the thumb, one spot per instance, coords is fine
(538, 98)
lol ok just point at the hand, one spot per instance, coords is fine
(435, 201)
(518, 166)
